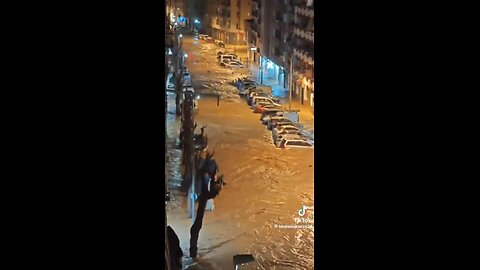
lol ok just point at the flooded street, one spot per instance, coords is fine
(266, 186)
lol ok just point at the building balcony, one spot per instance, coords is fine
(306, 57)
(224, 11)
(310, 36)
(301, 3)
(303, 44)
(304, 11)
(223, 3)
(304, 22)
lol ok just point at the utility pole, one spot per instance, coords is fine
(178, 73)
(167, 250)
(291, 82)
(189, 150)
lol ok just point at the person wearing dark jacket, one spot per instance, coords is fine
(176, 252)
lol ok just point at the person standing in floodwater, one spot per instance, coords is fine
(218, 100)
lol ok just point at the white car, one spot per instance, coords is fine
(287, 136)
(276, 132)
(268, 113)
(232, 64)
(274, 119)
(295, 144)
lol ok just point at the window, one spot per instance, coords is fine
(277, 34)
(228, 24)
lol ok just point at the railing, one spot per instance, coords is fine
(307, 57)
(305, 11)
(310, 36)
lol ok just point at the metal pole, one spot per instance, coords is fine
(291, 83)
(193, 167)
(261, 70)
(193, 189)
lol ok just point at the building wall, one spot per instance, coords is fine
(275, 33)
(227, 19)
(304, 52)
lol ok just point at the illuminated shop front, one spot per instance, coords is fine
(271, 71)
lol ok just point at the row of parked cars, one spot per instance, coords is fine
(280, 121)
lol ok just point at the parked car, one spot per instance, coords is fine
(232, 64)
(282, 129)
(257, 99)
(246, 85)
(274, 120)
(209, 40)
(253, 95)
(295, 144)
(261, 88)
(243, 82)
(202, 36)
(265, 117)
(222, 57)
(259, 105)
(281, 124)
(224, 62)
(287, 136)
(242, 85)
(261, 109)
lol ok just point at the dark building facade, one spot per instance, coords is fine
(281, 36)
(227, 20)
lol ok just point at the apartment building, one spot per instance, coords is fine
(228, 20)
(270, 36)
(303, 52)
(281, 37)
